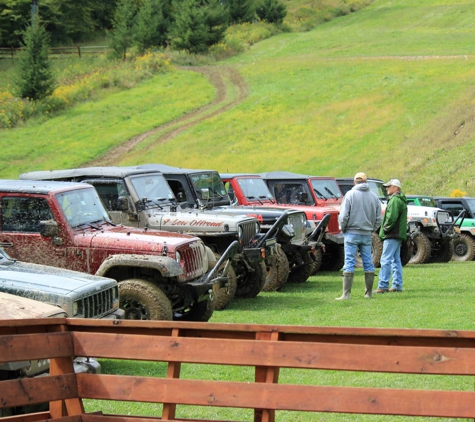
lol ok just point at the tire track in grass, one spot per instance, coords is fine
(218, 76)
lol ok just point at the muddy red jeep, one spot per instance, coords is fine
(161, 275)
(290, 190)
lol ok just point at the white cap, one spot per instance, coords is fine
(393, 182)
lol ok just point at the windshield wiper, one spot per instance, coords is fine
(320, 195)
(253, 197)
(331, 193)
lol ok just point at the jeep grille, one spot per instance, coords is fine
(298, 224)
(97, 305)
(248, 232)
(193, 258)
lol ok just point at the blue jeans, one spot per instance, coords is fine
(353, 243)
(391, 263)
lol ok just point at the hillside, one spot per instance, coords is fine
(386, 90)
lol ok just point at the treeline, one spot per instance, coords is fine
(192, 25)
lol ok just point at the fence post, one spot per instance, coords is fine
(79, 50)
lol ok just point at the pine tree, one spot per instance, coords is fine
(121, 36)
(217, 20)
(272, 11)
(189, 30)
(242, 11)
(147, 24)
(35, 78)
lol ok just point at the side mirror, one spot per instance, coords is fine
(303, 197)
(49, 228)
(122, 203)
(204, 193)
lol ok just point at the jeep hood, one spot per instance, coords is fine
(17, 277)
(132, 240)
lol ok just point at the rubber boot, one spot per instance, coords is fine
(347, 284)
(368, 282)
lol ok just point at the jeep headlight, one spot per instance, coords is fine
(75, 309)
(258, 228)
(178, 257)
(239, 232)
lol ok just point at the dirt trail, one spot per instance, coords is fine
(217, 76)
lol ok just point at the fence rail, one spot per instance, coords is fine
(10, 53)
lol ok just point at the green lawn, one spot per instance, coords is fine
(439, 296)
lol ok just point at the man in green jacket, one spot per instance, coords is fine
(393, 232)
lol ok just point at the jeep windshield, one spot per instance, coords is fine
(209, 186)
(82, 207)
(152, 189)
(326, 188)
(255, 188)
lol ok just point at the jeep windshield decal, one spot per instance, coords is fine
(210, 181)
(255, 188)
(326, 188)
(82, 207)
(152, 189)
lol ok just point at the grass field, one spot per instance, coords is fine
(438, 296)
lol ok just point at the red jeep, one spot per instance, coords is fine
(294, 191)
(161, 275)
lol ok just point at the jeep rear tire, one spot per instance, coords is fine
(421, 249)
(224, 295)
(278, 272)
(143, 300)
(199, 312)
(444, 253)
(464, 248)
(250, 283)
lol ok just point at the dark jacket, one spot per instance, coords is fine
(394, 224)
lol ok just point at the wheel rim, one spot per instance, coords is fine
(134, 310)
(461, 249)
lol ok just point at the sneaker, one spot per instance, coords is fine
(392, 290)
(381, 291)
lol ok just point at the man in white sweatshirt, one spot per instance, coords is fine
(360, 216)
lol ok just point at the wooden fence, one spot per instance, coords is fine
(54, 52)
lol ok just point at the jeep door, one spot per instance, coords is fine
(20, 230)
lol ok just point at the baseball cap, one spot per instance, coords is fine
(360, 176)
(393, 182)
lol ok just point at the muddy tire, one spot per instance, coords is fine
(464, 248)
(406, 252)
(143, 300)
(316, 265)
(421, 249)
(301, 273)
(250, 283)
(224, 295)
(278, 273)
(445, 252)
(376, 250)
(199, 311)
(334, 259)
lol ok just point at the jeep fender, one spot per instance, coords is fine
(167, 266)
